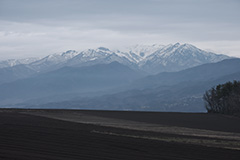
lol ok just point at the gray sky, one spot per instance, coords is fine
(32, 28)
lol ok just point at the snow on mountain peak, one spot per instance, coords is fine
(98, 52)
(59, 57)
(176, 44)
(14, 62)
(150, 58)
(103, 49)
(144, 50)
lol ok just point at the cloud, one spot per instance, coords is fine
(37, 28)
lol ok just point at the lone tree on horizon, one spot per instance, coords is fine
(224, 98)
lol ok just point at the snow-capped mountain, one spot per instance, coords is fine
(149, 58)
(14, 62)
(178, 57)
(101, 55)
(52, 60)
(140, 52)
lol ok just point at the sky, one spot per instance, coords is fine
(34, 28)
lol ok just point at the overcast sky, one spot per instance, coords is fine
(32, 28)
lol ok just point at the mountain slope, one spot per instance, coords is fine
(178, 57)
(14, 62)
(10, 74)
(140, 52)
(182, 94)
(68, 80)
(203, 72)
(52, 62)
(183, 97)
(100, 55)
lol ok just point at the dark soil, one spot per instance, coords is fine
(215, 122)
(29, 137)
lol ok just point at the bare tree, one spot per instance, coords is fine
(224, 98)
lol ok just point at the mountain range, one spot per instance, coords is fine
(142, 77)
(67, 80)
(156, 93)
(149, 58)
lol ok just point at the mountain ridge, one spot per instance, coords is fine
(151, 59)
(78, 80)
(181, 96)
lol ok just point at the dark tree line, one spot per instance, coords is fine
(224, 98)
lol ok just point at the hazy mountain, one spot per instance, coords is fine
(14, 62)
(68, 80)
(183, 93)
(10, 74)
(73, 75)
(209, 71)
